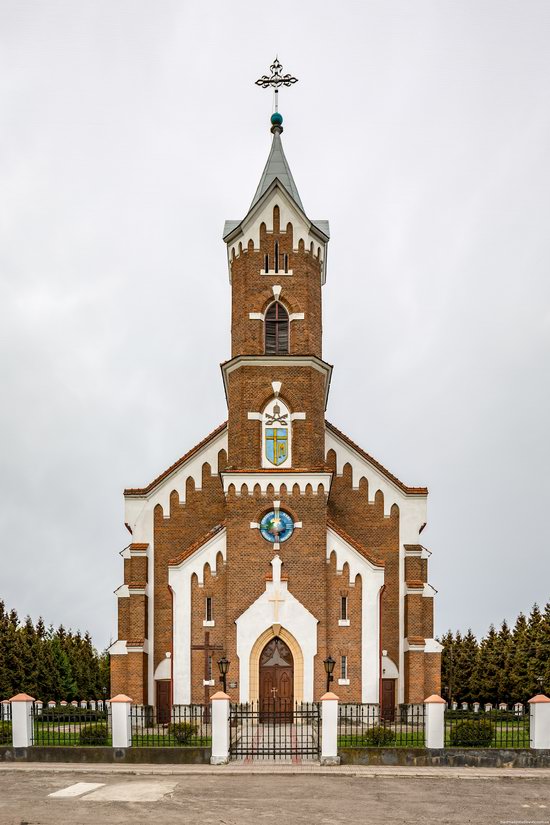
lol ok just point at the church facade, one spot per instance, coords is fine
(276, 543)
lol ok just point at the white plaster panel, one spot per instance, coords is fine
(372, 579)
(164, 669)
(276, 479)
(389, 668)
(263, 213)
(179, 579)
(432, 646)
(118, 648)
(292, 616)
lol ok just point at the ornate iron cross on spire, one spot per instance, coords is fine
(276, 80)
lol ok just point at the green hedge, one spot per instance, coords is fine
(471, 733)
(183, 732)
(93, 735)
(5, 733)
(378, 736)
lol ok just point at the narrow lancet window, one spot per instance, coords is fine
(276, 256)
(276, 330)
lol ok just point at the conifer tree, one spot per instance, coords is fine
(535, 668)
(29, 645)
(65, 687)
(447, 657)
(503, 660)
(519, 660)
(14, 667)
(466, 666)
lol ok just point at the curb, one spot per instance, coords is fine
(360, 772)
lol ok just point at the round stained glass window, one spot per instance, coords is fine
(277, 526)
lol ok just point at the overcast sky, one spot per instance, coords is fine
(131, 130)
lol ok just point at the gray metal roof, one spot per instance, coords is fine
(322, 226)
(228, 227)
(277, 167)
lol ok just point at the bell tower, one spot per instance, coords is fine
(277, 266)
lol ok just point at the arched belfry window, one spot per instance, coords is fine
(276, 330)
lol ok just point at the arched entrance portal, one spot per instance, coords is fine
(276, 680)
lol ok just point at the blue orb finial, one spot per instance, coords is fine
(276, 123)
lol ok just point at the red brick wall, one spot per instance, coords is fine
(250, 389)
(252, 292)
(344, 641)
(303, 556)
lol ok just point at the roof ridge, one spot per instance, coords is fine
(355, 544)
(198, 543)
(277, 168)
(375, 463)
(140, 491)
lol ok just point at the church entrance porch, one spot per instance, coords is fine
(276, 682)
(291, 734)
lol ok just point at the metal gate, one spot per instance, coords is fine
(275, 729)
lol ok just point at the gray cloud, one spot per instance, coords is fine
(131, 130)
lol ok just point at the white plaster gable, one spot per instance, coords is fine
(276, 606)
(303, 229)
(414, 504)
(346, 554)
(138, 510)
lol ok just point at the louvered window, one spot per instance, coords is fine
(276, 330)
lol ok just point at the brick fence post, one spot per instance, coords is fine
(434, 708)
(539, 722)
(121, 721)
(21, 720)
(329, 729)
(220, 728)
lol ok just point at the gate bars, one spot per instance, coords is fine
(271, 729)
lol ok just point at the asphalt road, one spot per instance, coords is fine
(109, 797)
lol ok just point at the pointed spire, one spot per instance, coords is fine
(277, 166)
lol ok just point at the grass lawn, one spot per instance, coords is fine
(509, 734)
(56, 739)
(506, 734)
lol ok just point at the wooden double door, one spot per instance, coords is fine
(276, 682)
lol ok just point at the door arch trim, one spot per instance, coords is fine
(256, 652)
